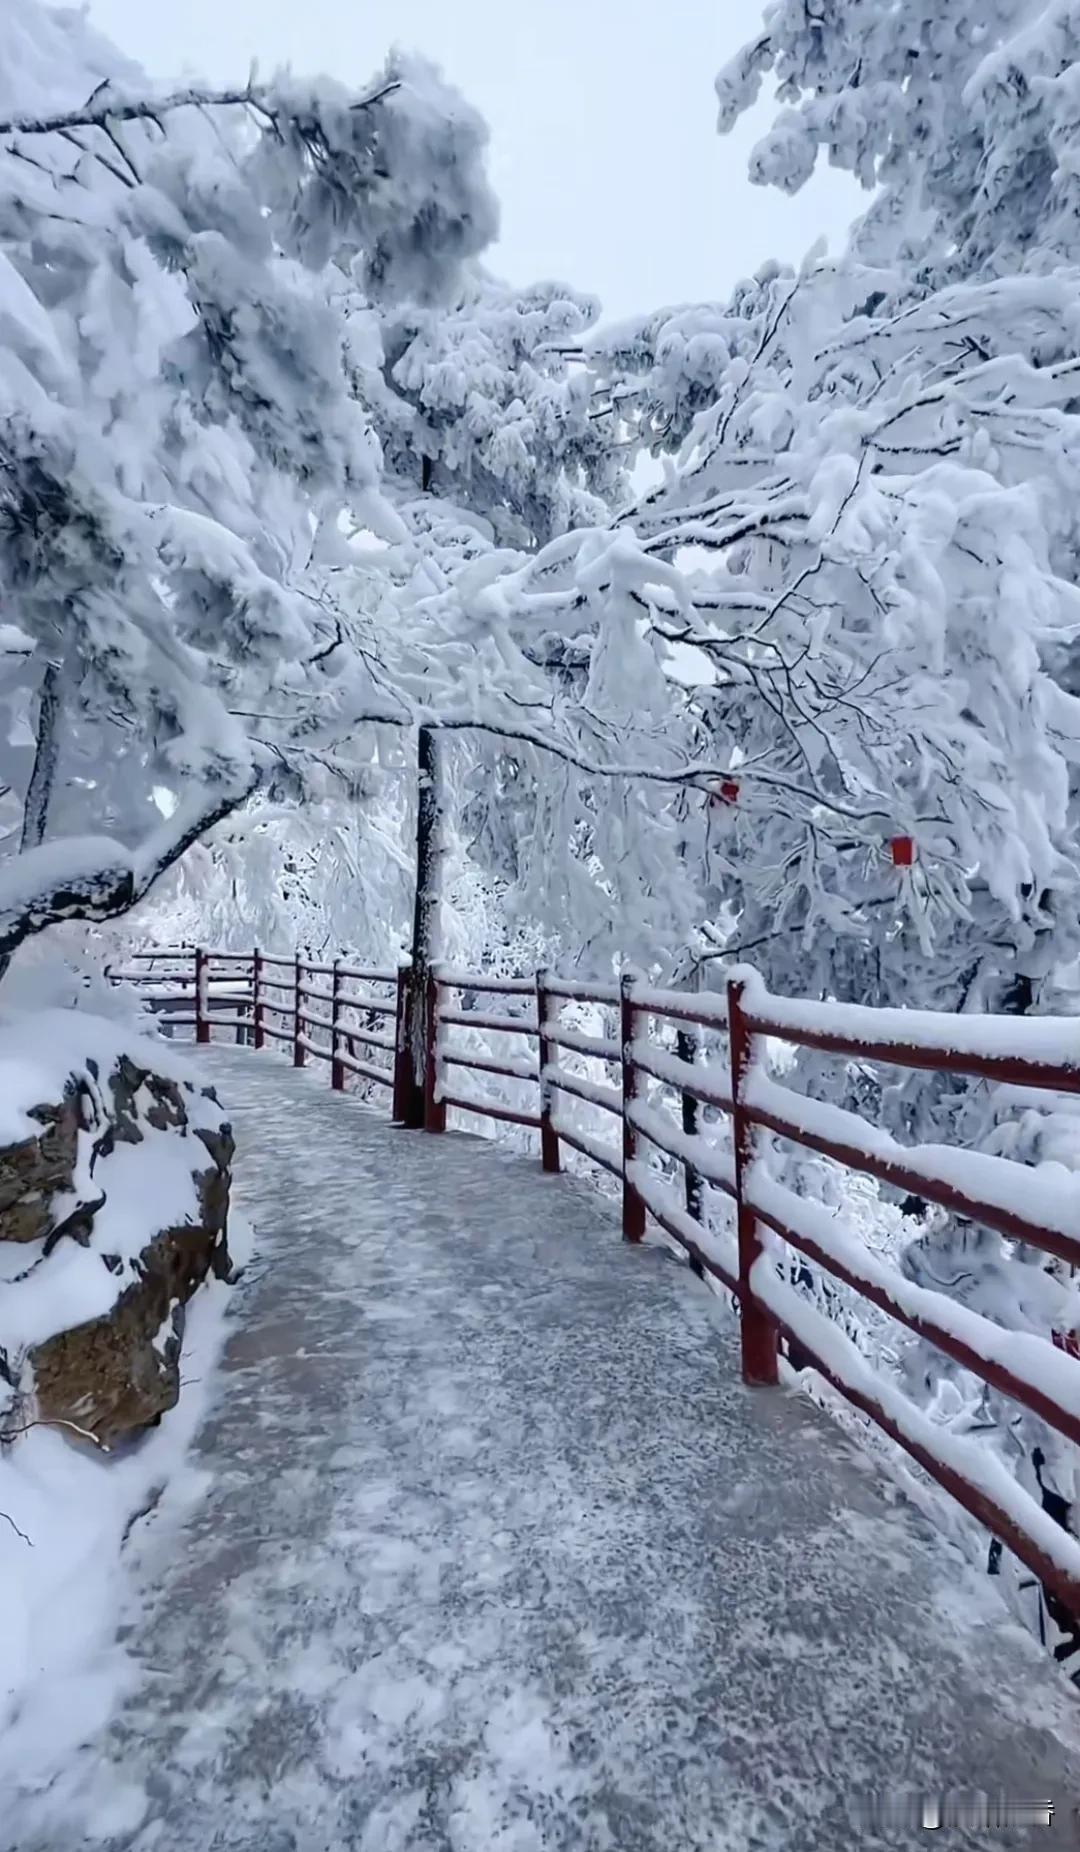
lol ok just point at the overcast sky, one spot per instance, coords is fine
(604, 149)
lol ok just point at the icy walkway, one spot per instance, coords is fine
(497, 1554)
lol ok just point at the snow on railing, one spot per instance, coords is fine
(570, 1084)
(313, 1008)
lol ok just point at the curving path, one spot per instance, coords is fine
(497, 1554)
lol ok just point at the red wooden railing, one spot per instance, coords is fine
(705, 1050)
(265, 999)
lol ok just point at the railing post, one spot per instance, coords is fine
(337, 1071)
(202, 1017)
(686, 1047)
(759, 1345)
(298, 1055)
(242, 1031)
(549, 1137)
(404, 1100)
(257, 1005)
(434, 1110)
(633, 1205)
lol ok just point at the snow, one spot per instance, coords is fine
(592, 1092)
(862, 527)
(483, 1106)
(40, 1053)
(981, 1468)
(1041, 1040)
(1042, 1195)
(1031, 1358)
(601, 1046)
(40, 1049)
(86, 866)
(175, 381)
(711, 1079)
(500, 1064)
(486, 1019)
(456, 1396)
(583, 992)
(699, 1005)
(716, 1244)
(67, 1584)
(606, 1155)
(482, 984)
(690, 1148)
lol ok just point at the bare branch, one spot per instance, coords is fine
(7, 1435)
(8, 1519)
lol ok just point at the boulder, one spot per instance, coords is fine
(36, 1170)
(132, 1167)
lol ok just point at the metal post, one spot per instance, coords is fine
(549, 1137)
(337, 1071)
(404, 1091)
(434, 1110)
(633, 1205)
(258, 1006)
(202, 1019)
(759, 1346)
(298, 1052)
(686, 1047)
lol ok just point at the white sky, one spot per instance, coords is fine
(604, 149)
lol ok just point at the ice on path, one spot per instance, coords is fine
(497, 1554)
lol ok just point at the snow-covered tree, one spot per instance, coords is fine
(869, 506)
(851, 599)
(857, 596)
(480, 408)
(962, 120)
(960, 115)
(179, 440)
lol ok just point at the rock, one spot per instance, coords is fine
(115, 1374)
(33, 1172)
(122, 1373)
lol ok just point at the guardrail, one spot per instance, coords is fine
(705, 1052)
(266, 999)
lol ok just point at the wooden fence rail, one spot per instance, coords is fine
(644, 1050)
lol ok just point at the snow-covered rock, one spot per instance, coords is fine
(114, 1195)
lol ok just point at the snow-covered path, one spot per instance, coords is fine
(498, 1555)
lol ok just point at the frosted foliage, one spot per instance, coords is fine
(833, 650)
(873, 513)
(481, 408)
(396, 190)
(962, 112)
(328, 877)
(285, 471)
(849, 597)
(941, 504)
(179, 438)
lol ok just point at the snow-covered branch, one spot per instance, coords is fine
(107, 106)
(96, 878)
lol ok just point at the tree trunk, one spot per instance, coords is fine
(42, 773)
(42, 776)
(429, 807)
